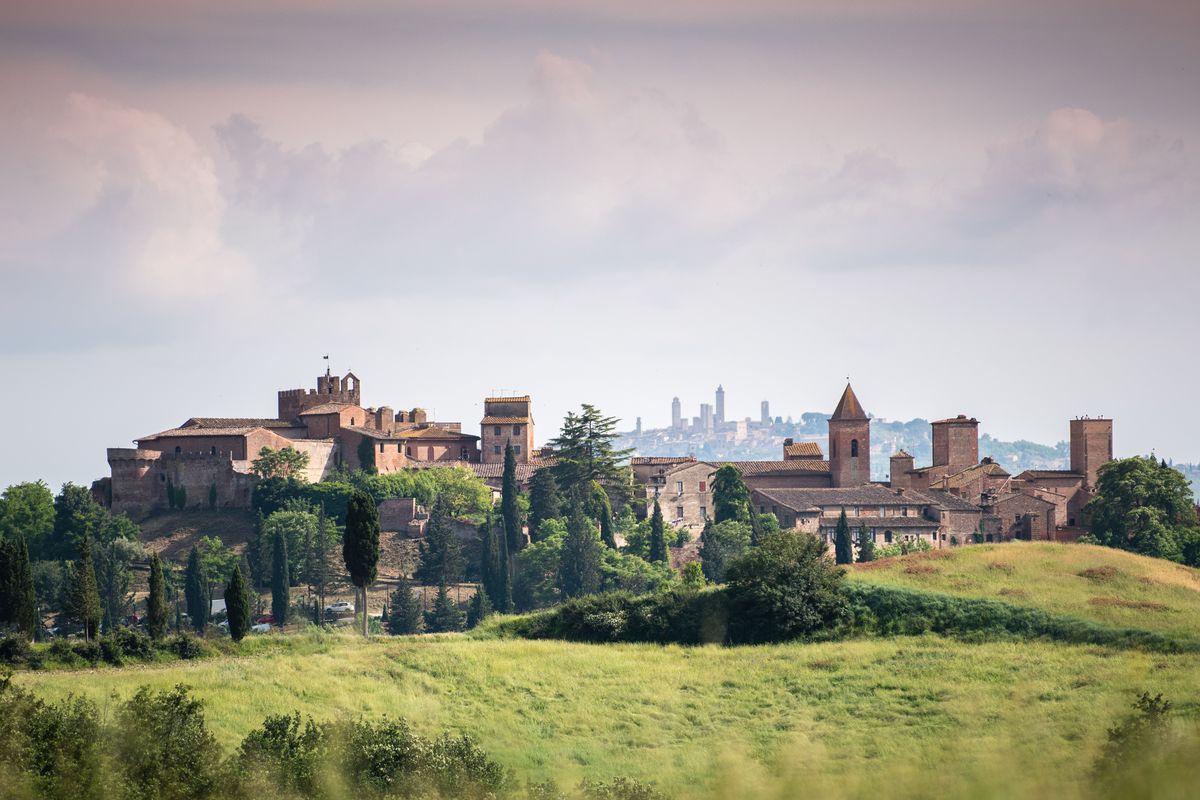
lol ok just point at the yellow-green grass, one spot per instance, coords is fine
(905, 716)
(1087, 581)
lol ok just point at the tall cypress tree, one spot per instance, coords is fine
(360, 548)
(18, 602)
(281, 593)
(441, 553)
(544, 501)
(8, 555)
(479, 609)
(843, 550)
(85, 598)
(503, 585)
(320, 562)
(446, 616)
(866, 547)
(237, 604)
(579, 562)
(195, 592)
(156, 603)
(508, 501)
(658, 538)
(405, 614)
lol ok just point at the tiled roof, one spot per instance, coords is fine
(178, 432)
(657, 461)
(372, 433)
(237, 422)
(866, 495)
(1048, 473)
(950, 502)
(1004, 498)
(960, 479)
(776, 467)
(803, 449)
(849, 407)
(327, 408)
(485, 471)
(521, 399)
(963, 418)
(504, 421)
(433, 433)
(903, 454)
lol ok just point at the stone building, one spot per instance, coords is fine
(887, 516)
(505, 420)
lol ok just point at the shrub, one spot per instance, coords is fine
(110, 651)
(681, 616)
(60, 650)
(163, 748)
(620, 789)
(134, 643)
(186, 646)
(288, 753)
(89, 651)
(15, 650)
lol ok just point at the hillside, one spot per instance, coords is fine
(1098, 583)
(851, 718)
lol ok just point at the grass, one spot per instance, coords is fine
(907, 715)
(1098, 583)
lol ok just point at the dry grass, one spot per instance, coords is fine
(1122, 603)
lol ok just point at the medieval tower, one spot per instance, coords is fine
(849, 442)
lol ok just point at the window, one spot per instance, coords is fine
(517, 449)
(431, 457)
(703, 486)
(496, 449)
(516, 430)
(178, 449)
(214, 450)
(904, 511)
(703, 512)
(352, 421)
(887, 537)
(496, 430)
(854, 448)
(678, 487)
(407, 450)
(857, 511)
(678, 512)
(464, 453)
(381, 446)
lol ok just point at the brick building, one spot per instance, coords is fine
(507, 420)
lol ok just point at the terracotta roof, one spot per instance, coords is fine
(1004, 498)
(1048, 473)
(849, 407)
(950, 502)
(903, 454)
(327, 408)
(866, 495)
(657, 461)
(237, 422)
(372, 433)
(960, 418)
(803, 449)
(776, 467)
(504, 421)
(960, 479)
(179, 432)
(433, 433)
(521, 399)
(485, 471)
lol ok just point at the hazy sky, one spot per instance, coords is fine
(966, 208)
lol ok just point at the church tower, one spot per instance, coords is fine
(849, 442)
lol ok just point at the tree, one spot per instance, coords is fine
(446, 616)
(1143, 506)
(658, 539)
(720, 543)
(360, 547)
(237, 604)
(866, 547)
(441, 552)
(296, 522)
(508, 502)
(76, 516)
(600, 509)
(156, 602)
(843, 549)
(494, 565)
(579, 560)
(731, 497)
(319, 574)
(281, 594)
(544, 501)
(18, 600)
(366, 456)
(480, 607)
(585, 452)
(195, 592)
(288, 463)
(405, 614)
(27, 510)
(84, 605)
(784, 588)
(114, 579)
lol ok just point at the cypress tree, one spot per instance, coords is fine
(503, 588)
(446, 615)
(237, 604)
(441, 553)
(84, 595)
(579, 562)
(7, 557)
(156, 603)
(600, 508)
(360, 547)
(658, 539)
(843, 550)
(479, 609)
(280, 590)
(405, 614)
(866, 548)
(508, 501)
(195, 592)
(16, 585)
(544, 501)
(320, 563)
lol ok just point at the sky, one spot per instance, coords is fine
(965, 207)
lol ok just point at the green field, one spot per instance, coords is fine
(909, 716)
(1098, 583)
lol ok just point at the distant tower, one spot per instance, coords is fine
(706, 416)
(676, 414)
(720, 404)
(1091, 446)
(766, 412)
(956, 443)
(849, 442)
(639, 426)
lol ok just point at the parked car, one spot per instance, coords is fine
(262, 627)
(340, 608)
(264, 619)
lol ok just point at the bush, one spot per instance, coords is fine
(60, 650)
(110, 651)
(134, 643)
(163, 748)
(620, 789)
(89, 651)
(15, 650)
(681, 616)
(186, 646)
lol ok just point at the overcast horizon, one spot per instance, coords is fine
(965, 209)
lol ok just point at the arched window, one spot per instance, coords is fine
(854, 448)
(178, 449)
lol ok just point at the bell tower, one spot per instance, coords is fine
(849, 442)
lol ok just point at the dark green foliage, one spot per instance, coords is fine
(113, 579)
(480, 607)
(16, 651)
(1144, 506)
(579, 560)
(866, 547)
(366, 455)
(212, 495)
(164, 748)
(18, 600)
(441, 552)
(446, 615)
(405, 614)
(619, 789)
(1134, 745)
(237, 605)
(843, 550)
(494, 565)
(195, 592)
(187, 647)
(83, 599)
(318, 572)
(731, 497)
(76, 516)
(133, 643)
(544, 501)
(658, 539)
(509, 512)
(784, 589)
(287, 753)
(281, 593)
(360, 548)
(600, 509)
(27, 510)
(585, 452)
(720, 544)
(156, 603)
(675, 616)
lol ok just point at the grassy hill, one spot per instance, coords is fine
(1098, 583)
